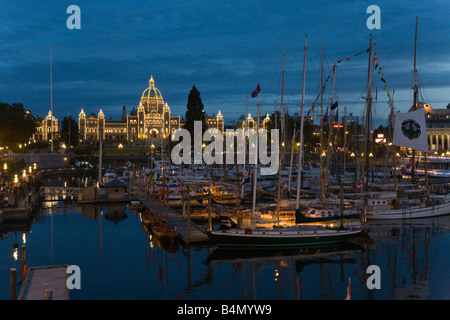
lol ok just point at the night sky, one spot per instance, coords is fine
(224, 48)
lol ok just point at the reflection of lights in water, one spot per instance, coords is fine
(276, 275)
(16, 252)
(24, 238)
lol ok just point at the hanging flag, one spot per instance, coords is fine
(313, 105)
(377, 64)
(334, 106)
(359, 184)
(389, 95)
(375, 57)
(379, 71)
(410, 130)
(385, 86)
(256, 91)
(348, 296)
(407, 165)
(348, 59)
(382, 78)
(246, 177)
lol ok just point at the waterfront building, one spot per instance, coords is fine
(438, 126)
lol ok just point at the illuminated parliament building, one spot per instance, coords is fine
(152, 119)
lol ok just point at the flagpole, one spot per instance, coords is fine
(255, 175)
(300, 151)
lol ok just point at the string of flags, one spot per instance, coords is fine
(333, 70)
(376, 65)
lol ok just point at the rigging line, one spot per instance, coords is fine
(399, 43)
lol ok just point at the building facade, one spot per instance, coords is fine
(151, 120)
(438, 127)
(44, 128)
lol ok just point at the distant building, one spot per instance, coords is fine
(215, 122)
(151, 119)
(438, 126)
(251, 123)
(45, 126)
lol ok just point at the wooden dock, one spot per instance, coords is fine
(188, 231)
(39, 281)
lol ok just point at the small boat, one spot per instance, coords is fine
(149, 218)
(164, 231)
(299, 235)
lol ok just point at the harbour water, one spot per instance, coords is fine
(119, 260)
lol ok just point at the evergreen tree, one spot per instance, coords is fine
(16, 125)
(194, 112)
(69, 132)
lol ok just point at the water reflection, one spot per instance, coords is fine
(111, 242)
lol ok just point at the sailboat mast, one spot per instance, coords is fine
(255, 174)
(321, 126)
(368, 100)
(51, 100)
(245, 148)
(415, 89)
(330, 127)
(300, 151)
(280, 165)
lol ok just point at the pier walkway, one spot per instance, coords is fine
(40, 281)
(188, 231)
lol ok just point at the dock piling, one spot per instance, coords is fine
(209, 211)
(23, 262)
(48, 294)
(13, 283)
(188, 216)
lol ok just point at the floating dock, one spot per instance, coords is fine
(39, 281)
(188, 231)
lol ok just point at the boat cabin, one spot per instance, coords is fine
(319, 212)
(379, 204)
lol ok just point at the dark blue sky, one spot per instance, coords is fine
(225, 48)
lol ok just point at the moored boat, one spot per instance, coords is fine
(438, 208)
(282, 237)
(164, 231)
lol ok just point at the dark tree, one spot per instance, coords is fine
(194, 112)
(69, 132)
(16, 125)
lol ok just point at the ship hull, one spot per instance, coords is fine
(411, 213)
(280, 238)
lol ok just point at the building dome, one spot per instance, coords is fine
(151, 91)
